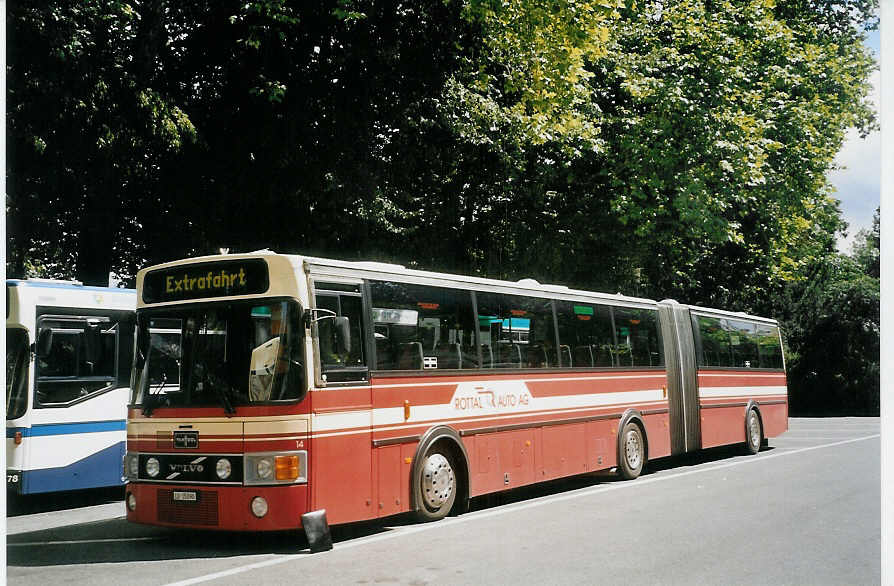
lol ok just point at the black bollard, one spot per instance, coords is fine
(317, 530)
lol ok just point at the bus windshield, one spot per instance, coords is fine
(17, 355)
(225, 354)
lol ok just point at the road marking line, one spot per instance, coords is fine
(80, 541)
(511, 508)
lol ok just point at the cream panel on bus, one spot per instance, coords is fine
(741, 391)
(231, 430)
(252, 427)
(259, 429)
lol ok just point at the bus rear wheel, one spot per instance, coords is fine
(754, 433)
(435, 485)
(633, 452)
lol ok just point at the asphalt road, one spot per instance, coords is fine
(806, 510)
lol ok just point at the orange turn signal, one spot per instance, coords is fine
(18, 438)
(287, 467)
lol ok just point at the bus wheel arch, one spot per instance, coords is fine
(754, 428)
(438, 444)
(633, 445)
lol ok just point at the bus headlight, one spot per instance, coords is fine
(276, 468)
(132, 466)
(224, 468)
(131, 501)
(264, 468)
(152, 467)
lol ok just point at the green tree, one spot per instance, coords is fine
(723, 120)
(832, 327)
(867, 246)
(669, 149)
(88, 131)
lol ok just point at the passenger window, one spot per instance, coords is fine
(743, 344)
(516, 331)
(769, 347)
(637, 333)
(418, 327)
(713, 341)
(585, 334)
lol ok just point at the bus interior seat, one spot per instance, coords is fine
(583, 356)
(410, 357)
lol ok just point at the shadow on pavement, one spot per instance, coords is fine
(58, 501)
(116, 540)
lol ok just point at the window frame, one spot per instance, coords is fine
(553, 296)
(334, 287)
(114, 381)
(699, 342)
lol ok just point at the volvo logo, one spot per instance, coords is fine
(186, 439)
(186, 467)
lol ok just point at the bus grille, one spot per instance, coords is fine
(201, 512)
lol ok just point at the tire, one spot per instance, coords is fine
(632, 452)
(435, 485)
(754, 432)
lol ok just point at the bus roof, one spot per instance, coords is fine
(60, 284)
(377, 270)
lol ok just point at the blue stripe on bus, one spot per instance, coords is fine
(67, 428)
(104, 468)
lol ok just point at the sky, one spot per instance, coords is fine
(858, 185)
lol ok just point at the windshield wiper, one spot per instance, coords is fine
(147, 402)
(221, 389)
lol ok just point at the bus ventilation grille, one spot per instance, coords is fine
(201, 512)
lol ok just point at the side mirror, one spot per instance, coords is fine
(44, 342)
(343, 334)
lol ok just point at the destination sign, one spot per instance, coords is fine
(208, 279)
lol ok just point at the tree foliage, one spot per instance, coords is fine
(832, 325)
(660, 148)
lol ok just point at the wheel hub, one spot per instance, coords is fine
(437, 481)
(755, 428)
(632, 449)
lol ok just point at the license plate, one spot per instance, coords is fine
(185, 496)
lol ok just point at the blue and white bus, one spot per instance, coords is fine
(68, 357)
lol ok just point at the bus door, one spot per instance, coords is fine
(341, 404)
(18, 368)
(682, 379)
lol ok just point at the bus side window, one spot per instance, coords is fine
(420, 327)
(714, 340)
(586, 329)
(79, 358)
(769, 347)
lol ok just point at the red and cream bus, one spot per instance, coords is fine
(268, 386)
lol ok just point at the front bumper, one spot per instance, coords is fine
(225, 508)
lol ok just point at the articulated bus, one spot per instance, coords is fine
(68, 360)
(270, 386)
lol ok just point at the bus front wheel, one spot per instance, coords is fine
(435, 485)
